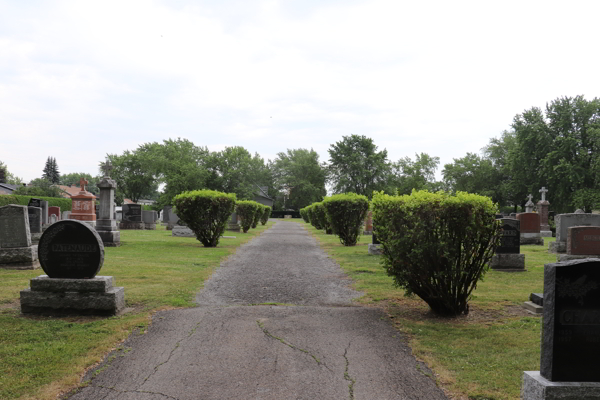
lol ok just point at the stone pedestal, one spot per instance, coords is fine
(182, 231)
(557, 247)
(233, 223)
(375, 249)
(131, 225)
(149, 219)
(532, 238)
(508, 262)
(19, 258)
(53, 296)
(536, 387)
(570, 257)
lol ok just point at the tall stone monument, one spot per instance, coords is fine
(106, 225)
(84, 205)
(543, 206)
(16, 249)
(71, 254)
(529, 205)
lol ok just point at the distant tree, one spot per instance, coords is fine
(134, 172)
(10, 178)
(472, 174)
(74, 179)
(299, 176)
(233, 170)
(356, 166)
(51, 173)
(418, 174)
(39, 187)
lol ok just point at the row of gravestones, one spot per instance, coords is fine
(178, 227)
(133, 217)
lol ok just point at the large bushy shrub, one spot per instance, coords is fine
(319, 219)
(310, 214)
(346, 214)
(304, 214)
(436, 245)
(64, 203)
(259, 212)
(265, 216)
(246, 210)
(205, 212)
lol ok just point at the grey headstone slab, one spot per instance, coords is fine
(565, 221)
(14, 226)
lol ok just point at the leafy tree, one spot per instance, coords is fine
(301, 176)
(10, 178)
(356, 166)
(418, 174)
(39, 187)
(472, 174)
(51, 173)
(134, 172)
(234, 170)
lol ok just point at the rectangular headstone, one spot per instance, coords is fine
(530, 222)
(165, 213)
(54, 210)
(571, 324)
(35, 219)
(132, 212)
(148, 216)
(510, 241)
(583, 240)
(44, 212)
(14, 227)
(565, 221)
(34, 202)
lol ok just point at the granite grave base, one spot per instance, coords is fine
(131, 225)
(19, 258)
(35, 237)
(234, 227)
(527, 239)
(536, 387)
(54, 296)
(182, 231)
(546, 233)
(508, 262)
(557, 247)
(375, 249)
(570, 257)
(533, 308)
(150, 227)
(110, 238)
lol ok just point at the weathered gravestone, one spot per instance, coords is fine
(570, 334)
(106, 224)
(71, 254)
(54, 210)
(149, 219)
(564, 222)
(16, 249)
(35, 223)
(530, 228)
(507, 257)
(132, 217)
(66, 215)
(44, 214)
(233, 223)
(582, 242)
(172, 218)
(374, 247)
(543, 206)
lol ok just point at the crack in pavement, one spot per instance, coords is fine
(285, 342)
(134, 391)
(347, 375)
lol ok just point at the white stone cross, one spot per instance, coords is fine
(543, 191)
(530, 197)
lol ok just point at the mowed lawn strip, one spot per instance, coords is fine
(479, 356)
(42, 356)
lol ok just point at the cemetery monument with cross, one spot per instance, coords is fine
(84, 204)
(543, 206)
(530, 225)
(106, 225)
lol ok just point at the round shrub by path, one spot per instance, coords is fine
(319, 216)
(265, 216)
(205, 212)
(346, 214)
(304, 214)
(436, 245)
(246, 210)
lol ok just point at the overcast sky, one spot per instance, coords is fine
(80, 79)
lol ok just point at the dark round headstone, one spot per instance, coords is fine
(71, 249)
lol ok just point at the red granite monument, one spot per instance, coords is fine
(84, 205)
(583, 240)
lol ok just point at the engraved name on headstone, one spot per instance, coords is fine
(132, 212)
(510, 239)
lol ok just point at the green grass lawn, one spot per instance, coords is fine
(42, 356)
(478, 356)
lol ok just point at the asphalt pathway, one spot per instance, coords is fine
(275, 321)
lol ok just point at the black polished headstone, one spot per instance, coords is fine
(510, 242)
(571, 324)
(35, 219)
(374, 240)
(132, 212)
(537, 298)
(71, 249)
(35, 203)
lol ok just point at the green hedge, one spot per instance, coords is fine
(259, 212)
(205, 212)
(346, 214)
(63, 203)
(265, 216)
(436, 245)
(304, 214)
(246, 210)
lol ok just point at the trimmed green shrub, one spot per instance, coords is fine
(345, 215)
(436, 245)
(259, 212)
(265, 216)
(64, 203)
(246, 209)
(304, 214)
(205, 212)
(318, 216)
(310, 214)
